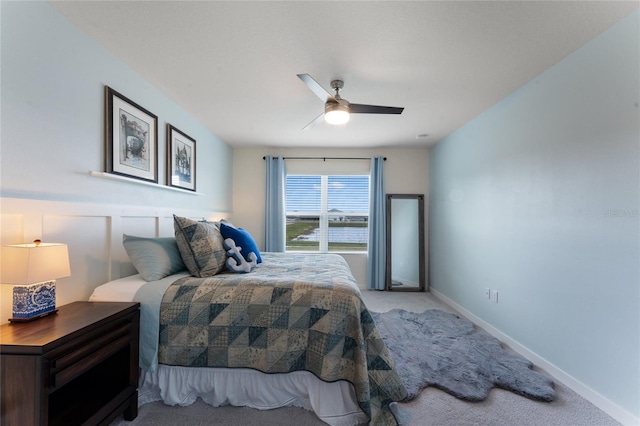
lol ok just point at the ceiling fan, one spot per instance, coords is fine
(337, 110)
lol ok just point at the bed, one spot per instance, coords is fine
(294, 331)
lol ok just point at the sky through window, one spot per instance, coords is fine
(349, 194)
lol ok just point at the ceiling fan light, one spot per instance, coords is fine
(336, 114)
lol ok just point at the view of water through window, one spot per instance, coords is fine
(338, 235)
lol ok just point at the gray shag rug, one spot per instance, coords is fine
(439, 349)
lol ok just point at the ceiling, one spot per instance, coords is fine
(233, 65)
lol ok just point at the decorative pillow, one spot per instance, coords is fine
(243, 241)
(235, 261)
(153, 258)
(200, 245)
(226, 222)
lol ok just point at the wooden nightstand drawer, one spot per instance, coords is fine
(87, 354)
(77, 367)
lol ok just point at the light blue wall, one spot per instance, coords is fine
(53, 78)
(538, 198)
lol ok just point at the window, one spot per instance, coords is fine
(327, 213)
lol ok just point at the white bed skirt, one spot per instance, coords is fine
(334, 403)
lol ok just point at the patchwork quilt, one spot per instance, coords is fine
(293, 312)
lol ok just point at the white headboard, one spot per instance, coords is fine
(93, 233)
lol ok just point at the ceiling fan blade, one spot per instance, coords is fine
(374, 109)
(316, 88)
(319, 119)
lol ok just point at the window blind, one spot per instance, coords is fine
(327, 213)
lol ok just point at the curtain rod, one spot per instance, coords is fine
(325, 158)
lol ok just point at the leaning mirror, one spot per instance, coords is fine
(405, 269)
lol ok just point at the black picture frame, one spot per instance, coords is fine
(131, 138)
(181, 159)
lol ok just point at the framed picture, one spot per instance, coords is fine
(131, 138)
(181, 159)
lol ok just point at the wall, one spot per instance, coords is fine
(406, 172)
(53, 78)
(538, 198)
(52, 127)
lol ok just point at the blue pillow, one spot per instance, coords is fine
(153, 258)
(243, 239)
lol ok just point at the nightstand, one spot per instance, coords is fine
(77, 367)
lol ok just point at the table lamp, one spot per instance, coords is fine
(33, 269)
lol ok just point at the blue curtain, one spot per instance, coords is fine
(275, 213)
(377, 258)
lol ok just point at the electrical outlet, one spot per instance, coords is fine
(494, 296)
(487, 293)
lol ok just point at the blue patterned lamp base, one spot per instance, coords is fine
(33, 301)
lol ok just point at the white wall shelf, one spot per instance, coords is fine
(112, 176)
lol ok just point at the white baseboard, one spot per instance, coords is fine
(606, 405)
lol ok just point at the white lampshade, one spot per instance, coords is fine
(336, 114)
(33, 263)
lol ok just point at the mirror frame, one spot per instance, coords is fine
(421, 248)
